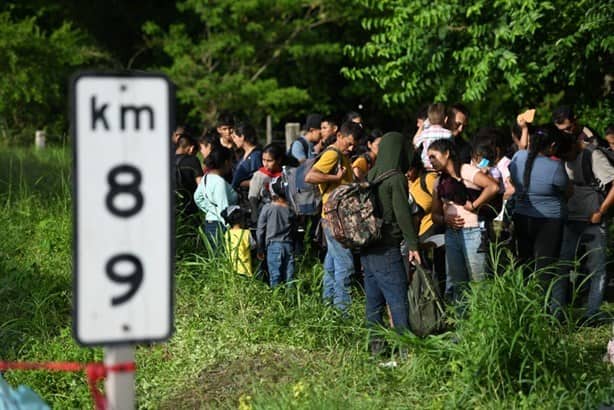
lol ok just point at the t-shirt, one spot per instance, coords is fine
(297, 149)
(424, 199)
(213, 195)
(238, 245)
(585, 199)
(452, 208)
(362, 164)
(275, 224)
(187, 170)
(246, 167)
(426, 138)
(327, 164)
(546, 195)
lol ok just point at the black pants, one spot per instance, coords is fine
(538, 240)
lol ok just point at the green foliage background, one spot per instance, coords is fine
(290, 57)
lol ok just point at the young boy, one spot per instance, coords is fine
(238, 240)
(274, 232)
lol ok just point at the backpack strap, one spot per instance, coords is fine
(588, 177)
(423, 185)
(385, 175)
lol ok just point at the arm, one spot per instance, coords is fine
(402, 211)
(261, 231)
(199, 195)
(605, 206)
(297, 151)
(320, 172)
(490, 188)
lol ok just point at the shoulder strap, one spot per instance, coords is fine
(588, 177)
(423, 185)
(385, 175)
(368, 158)
(305, 146)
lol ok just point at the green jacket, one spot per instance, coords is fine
(395, 152)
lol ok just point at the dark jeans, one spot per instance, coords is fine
(280, 260)
(593, 238)
(386, 283)
(214, 232)
(538, 240)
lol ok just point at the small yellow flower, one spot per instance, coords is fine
(298, 389)
(245, 402)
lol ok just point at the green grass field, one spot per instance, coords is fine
(238, 344)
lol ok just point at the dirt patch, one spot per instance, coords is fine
(220, 385)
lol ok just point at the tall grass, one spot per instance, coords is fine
(239, 344)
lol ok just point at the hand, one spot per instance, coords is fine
(260, 256)
(414, 256)
(469, 207)
(596, 218)
(454, 221)
(340, 173)
(522, 122)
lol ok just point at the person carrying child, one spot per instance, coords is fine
(238, 240)
(274, 235)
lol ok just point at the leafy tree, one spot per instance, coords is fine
(34, 69)
(255, 57)
(496, 55)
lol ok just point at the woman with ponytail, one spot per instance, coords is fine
(541, 184)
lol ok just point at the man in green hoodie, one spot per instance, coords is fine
(386, 280)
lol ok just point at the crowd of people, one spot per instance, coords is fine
(543, 191)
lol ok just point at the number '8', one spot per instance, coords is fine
(135, 278)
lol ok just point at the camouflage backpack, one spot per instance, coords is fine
(352, 213)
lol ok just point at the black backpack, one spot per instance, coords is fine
(426, 307)
(588, 176)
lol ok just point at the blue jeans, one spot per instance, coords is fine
(280, 261)
(386, 283)
(593, 238)
(214, 232)
(463, 262)
(338, 267)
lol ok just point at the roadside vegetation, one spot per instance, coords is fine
(238, 344)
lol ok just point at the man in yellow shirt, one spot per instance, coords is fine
(331, 170)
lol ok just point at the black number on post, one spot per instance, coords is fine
(134, 279)
(131, 188)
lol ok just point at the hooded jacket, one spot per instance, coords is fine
(395, 152)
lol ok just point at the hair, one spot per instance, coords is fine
(541, 139)
(218, 157)
(351, 115)
(277, 188)
(562, 113)
(276, 151)
(331, 119)
(458, 107)
(351, 128)
(444, 145)
(237, 217)
(423, 112)
(437, 113)
(248, 132)
(485, 150)
(185, 142)
(609, 130)
(209, 137)
(225, 118)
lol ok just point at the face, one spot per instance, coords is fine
(237, 139)
(374, 146)
(225, 132)
(314, 135)
(327, 129)
(439, 160)
(268, 162)
(345, 144)
(567, 126)
(460, 122)
(205, 150)
(610, 139)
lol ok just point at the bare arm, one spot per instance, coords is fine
(317, 177)
(489, 186)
